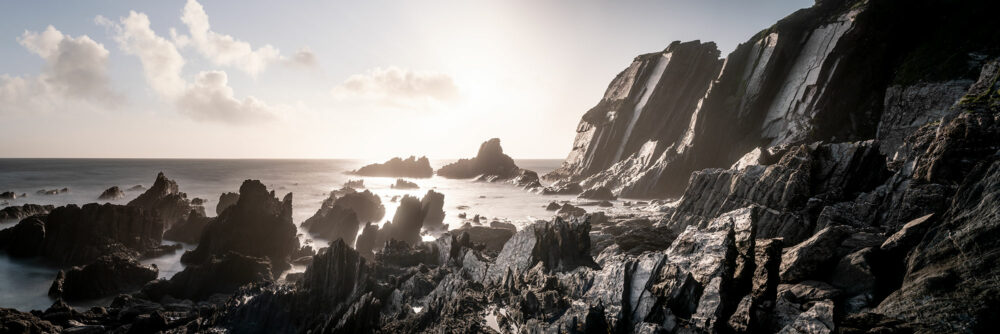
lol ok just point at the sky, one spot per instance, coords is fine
(323, 79)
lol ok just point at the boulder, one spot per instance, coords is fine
(813, 258)
(112, 194)
(8, 195)
(553, 206)
(14, 321)
(396, 167)
(24, 239)
(490, 160)
(109, 275)
(404, 184)
(259, 225)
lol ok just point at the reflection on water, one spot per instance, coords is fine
(24, 284)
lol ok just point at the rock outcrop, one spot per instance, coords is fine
(109, 275)
(188, 231)
(490, 160)
(112, 194)
(221, 274)
(226, 200)
(166, 201)
(396, 167)
(72, 235)
(24, 211)
(404, 184)
(259, 225)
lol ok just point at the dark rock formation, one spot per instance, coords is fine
(568, 210)
(14, 321)
(8, 195)
(223, 273)
(72, 235)
(432, 207)
(109, 275)
(188, 231)
(334, 223)
(406, 223)
(165, 200)
(404, 184)
(137, 187)
(490, 160)
(259, 225)
(226, 200)
(112, 194)
(24, 211)
(366, 205)
(491, 238)
(553, 206)
(396, 167)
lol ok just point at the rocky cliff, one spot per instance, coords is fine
(838, 71)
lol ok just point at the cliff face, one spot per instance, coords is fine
(838, 71)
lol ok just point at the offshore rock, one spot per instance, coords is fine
(109, 275)
(259, 225)
(112, 194)
(490, 160)
(396, 167)
(336, 222)
(24, 239)
(404, 184)
(165, 200)
(366, 205)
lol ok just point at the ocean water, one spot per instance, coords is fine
(24, 283)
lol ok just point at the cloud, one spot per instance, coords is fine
(399, 87)
(76, 70)
(219, 48)
(209, 98)
(303, 58)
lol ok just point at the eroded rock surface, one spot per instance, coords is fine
(397, 167)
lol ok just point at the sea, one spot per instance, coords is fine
(24, 284)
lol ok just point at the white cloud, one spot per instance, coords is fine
(399, 87)
(76, 70)
(209, 98)
(303, 58)
(222, 49)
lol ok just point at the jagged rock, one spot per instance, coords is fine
(8, 195)
(259, 225)
(568, 210)
(432, 206)
(72, 235)
(818, 319)
(396, 167)
(222, 273)
(334, 223)
(598, 193)
(165, 200)
(563, 188)
(404, 184)
(188, 231)
(490, 160)
(110, 274)
(492, 238)
(814, 257)
(405, 224)
(949, 280)
(355, 184)
(226, 200)
(24, 239)
(401, 254)
(137, 187)
(558, 245)
(366, 206)
(112, 194)
(24, 211)
(14, 321)
(553, 206)
(366, 241)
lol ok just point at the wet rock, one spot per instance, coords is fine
(259, 225)
(396, 167)
(222, 273)
(334, 223)
(553, 206)
(818, 319)
(188, 231)
(404, 184)
(165, 200)
(598, 193)
(24, 211)
(14, 321)
(109, 275)
(490, 160)
(8, 195)
(366, 206)
(226, 200)
(558, 245)
(814, 257)
(112, 194)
